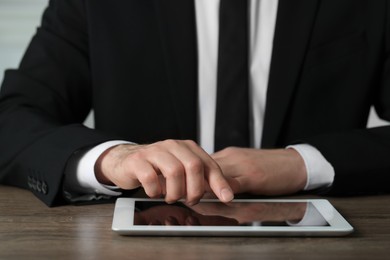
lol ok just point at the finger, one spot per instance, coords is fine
(195, 184)
(235, 184)
(173, 171)
(209, 194)
(213, 175)
(219, 185)
(163, 185)
(194, 173)
(148, 177)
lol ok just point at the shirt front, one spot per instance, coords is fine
(262, 20)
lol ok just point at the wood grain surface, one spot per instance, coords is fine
(30, 230)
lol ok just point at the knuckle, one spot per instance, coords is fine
(150, 149)
(174, 171)
(169, 142)
(190, 142)
(229, 150)
(194, 166)
(147, 177)
(137, 156)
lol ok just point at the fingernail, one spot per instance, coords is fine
(227, 195)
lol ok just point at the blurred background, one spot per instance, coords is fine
(18, 22)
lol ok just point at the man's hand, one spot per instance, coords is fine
(262, 172)
(176, 169)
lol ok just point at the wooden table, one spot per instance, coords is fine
(30, 230)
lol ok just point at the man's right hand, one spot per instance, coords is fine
(176, 169)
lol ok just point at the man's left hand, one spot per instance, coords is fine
(262, 172)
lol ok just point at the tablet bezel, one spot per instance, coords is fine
(124, 215)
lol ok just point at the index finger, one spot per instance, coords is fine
(213, 175)
(219, 185)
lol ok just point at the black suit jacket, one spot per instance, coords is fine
(135, 63)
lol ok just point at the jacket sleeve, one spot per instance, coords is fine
(44, 102)
(361, 158)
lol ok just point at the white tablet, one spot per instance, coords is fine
(269, 217)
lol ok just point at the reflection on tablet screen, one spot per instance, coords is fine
(232, 214)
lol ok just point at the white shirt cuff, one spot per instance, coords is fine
(83, 178)
(320, 173)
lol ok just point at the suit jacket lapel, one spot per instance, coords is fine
(178, 34)
(293, 29)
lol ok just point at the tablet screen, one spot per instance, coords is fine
(232, 214)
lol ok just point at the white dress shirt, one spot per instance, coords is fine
(262, 27)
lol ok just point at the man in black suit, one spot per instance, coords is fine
(136, 63)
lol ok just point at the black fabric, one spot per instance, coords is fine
(231, 123)
(135, 63)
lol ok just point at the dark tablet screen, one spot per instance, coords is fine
(232, 214)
